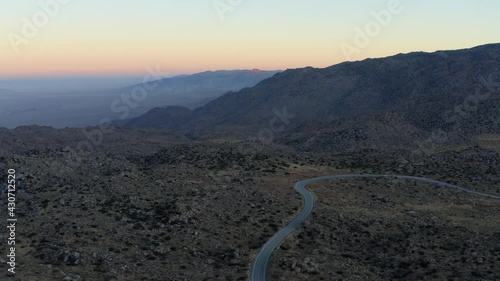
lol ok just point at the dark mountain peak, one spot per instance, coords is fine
(421, 88)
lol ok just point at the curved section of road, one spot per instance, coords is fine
(261, 262)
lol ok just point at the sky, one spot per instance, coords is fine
(125, 37)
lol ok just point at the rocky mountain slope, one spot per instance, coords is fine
(416, 84)
(155, 117)
(453, 91)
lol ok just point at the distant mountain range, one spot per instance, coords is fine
(193, 91)
(79, 107)
(210, 83)
(393, 100)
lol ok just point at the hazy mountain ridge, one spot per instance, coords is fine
(77, 108)
(210, 82)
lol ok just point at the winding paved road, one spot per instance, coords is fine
(259, 267)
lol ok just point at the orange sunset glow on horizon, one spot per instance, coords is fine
(125, 37)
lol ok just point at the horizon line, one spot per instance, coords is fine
(46, 76)
(125, 75)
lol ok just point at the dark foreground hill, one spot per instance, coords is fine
(151, 205)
